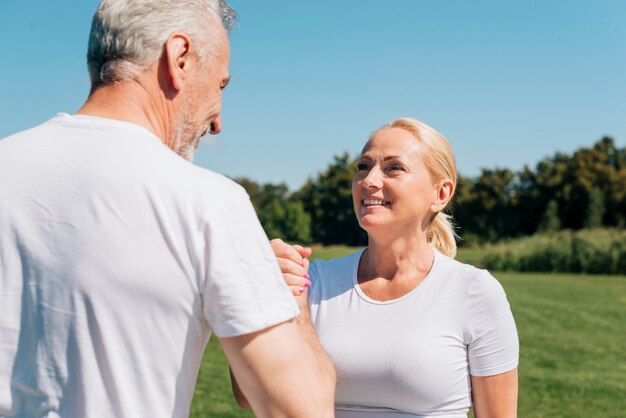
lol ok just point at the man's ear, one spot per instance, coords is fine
(443, 193)
(178, 59)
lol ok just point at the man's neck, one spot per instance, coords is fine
(131, 101)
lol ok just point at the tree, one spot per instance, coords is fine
(584, 189)
(281, 214)
(297, 225)
(595, 209)
(286, 220)
(550, 221)
(328, 199)
(487, 205)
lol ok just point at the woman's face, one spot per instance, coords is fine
(392, 187)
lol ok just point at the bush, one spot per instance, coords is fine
(594, 251)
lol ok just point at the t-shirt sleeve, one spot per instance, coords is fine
(243, 289)
(489, 329)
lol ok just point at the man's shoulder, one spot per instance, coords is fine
(217, 185)
(115, 154)
(12, 139)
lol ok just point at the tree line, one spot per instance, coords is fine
(586, 189)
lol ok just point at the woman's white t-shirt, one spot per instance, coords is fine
(412, 356)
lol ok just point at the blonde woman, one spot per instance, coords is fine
(411, 331)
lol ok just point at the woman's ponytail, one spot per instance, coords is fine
(440, 234)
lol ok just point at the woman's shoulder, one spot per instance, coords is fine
(478, 287)
(338, 273)
(459, 270)
(334, 266)
(473, 280)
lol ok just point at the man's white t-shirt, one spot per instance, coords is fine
(412, 356)
(118, 259)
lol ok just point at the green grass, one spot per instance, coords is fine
(572, 332)
(572, 329)
(466, 255)
(331, 251)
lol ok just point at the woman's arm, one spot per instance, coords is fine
(495, 396)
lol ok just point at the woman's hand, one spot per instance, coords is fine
(293, 262)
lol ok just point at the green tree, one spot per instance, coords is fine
(595, 209)
(550, 221)
(487, 205)
(286, 220)
(297, 224)
(328, 199)
(281, 214)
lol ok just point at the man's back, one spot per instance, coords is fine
(117, 259)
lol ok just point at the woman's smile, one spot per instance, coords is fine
(375, 202)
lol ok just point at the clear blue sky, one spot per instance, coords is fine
(507, 82)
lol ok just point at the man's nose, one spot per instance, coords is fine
(216, 126)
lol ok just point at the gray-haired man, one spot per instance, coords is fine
(118, 258)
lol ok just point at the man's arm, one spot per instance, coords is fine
(495, 396)
(294, 265)
(281, 373)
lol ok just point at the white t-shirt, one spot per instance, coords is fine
(412, 356)
(118, 259)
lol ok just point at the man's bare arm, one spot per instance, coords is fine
(280, 373)
(308, 332)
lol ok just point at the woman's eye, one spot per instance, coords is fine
(393, 168)
(362, 166)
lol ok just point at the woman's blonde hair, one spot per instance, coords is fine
(440, 161)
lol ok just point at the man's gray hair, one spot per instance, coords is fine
(127, 36)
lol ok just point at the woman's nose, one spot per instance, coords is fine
(373, 179)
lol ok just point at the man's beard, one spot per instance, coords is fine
(186, 134)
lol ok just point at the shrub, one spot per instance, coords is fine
(595, 251)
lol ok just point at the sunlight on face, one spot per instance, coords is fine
(200, 111)
(392, 186)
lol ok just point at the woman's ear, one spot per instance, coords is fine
(178, 59)
(443, 193)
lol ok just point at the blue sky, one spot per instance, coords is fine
(507, 82)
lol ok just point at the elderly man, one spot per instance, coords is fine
(119, 258)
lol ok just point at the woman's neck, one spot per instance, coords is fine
(408, 256)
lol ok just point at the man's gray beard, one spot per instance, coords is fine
(185, 129)
(186, 149)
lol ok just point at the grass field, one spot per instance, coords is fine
(572, 332)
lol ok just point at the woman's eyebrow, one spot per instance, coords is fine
(392, 157)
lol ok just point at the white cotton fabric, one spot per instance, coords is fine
(412, 356)
(118, 259)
